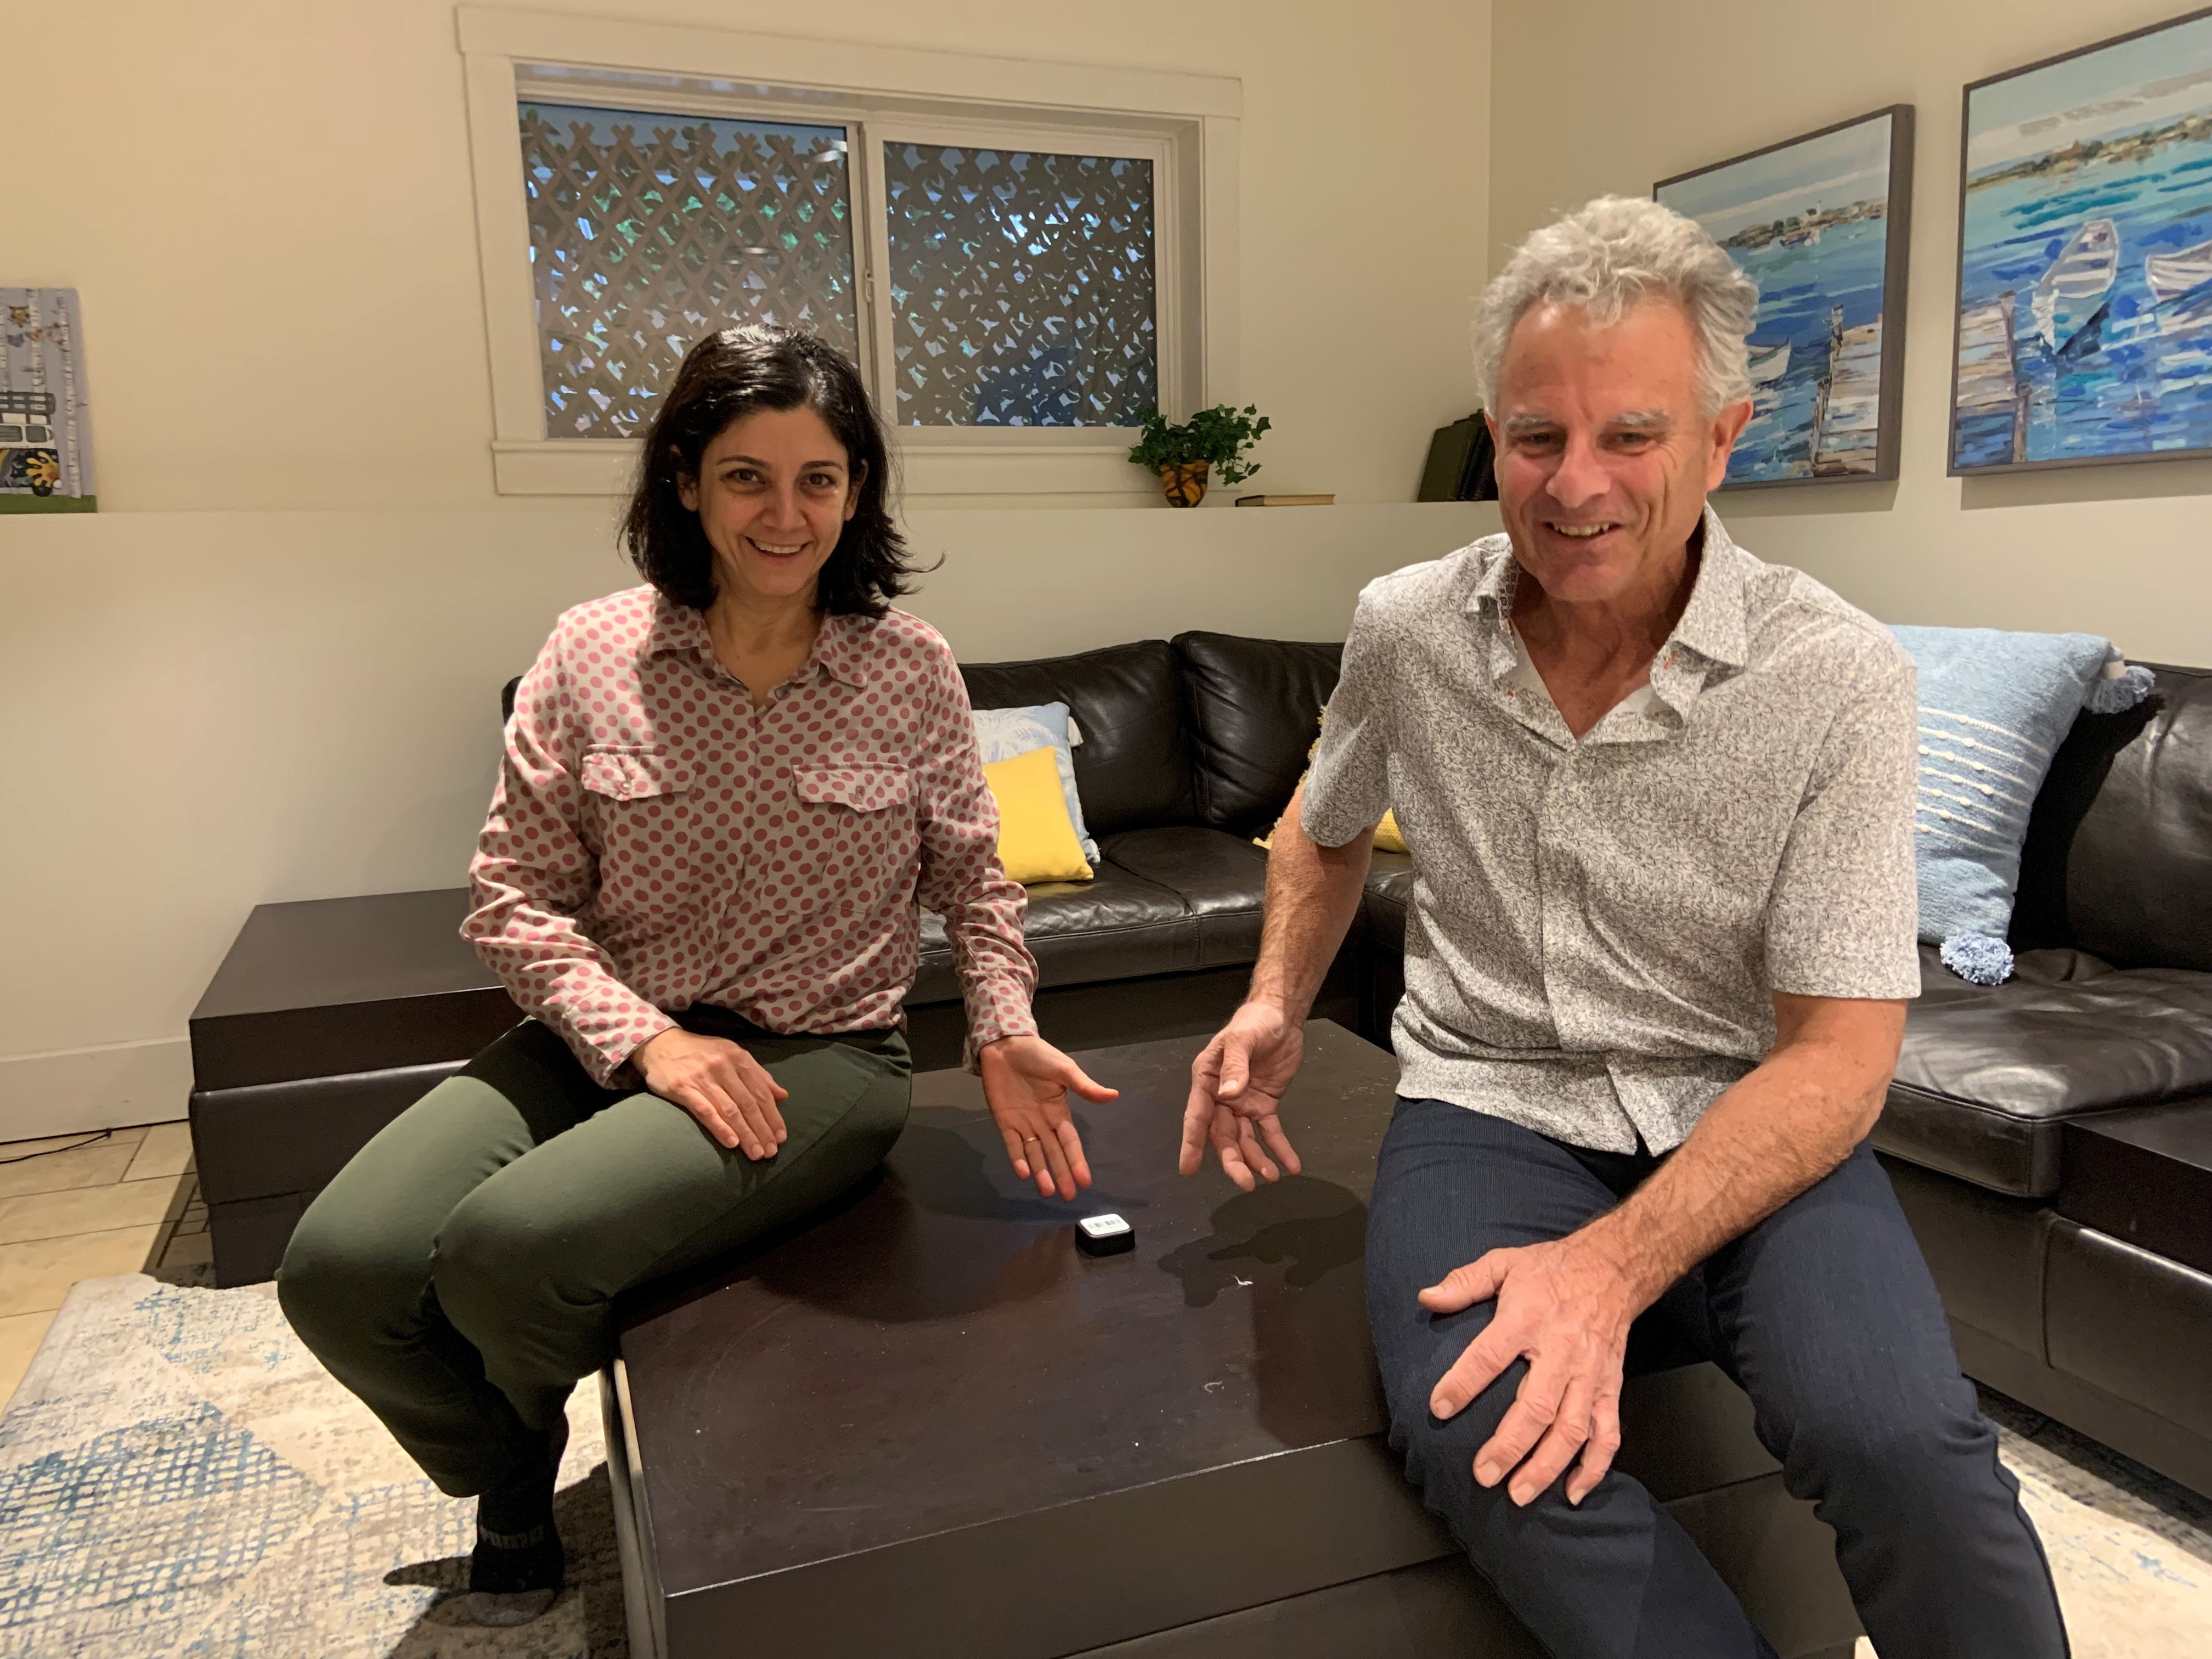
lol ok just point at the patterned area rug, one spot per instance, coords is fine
(178, 1477)
(2131, 1550)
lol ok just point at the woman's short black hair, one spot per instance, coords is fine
(728, 375)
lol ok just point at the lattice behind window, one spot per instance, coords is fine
(1022, 286)
(647, 230)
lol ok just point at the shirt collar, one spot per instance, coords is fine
(677, 627)
(837, 647)
(1711, 624)
(1491, 599)
(1500, 574)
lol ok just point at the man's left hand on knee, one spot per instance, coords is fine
(1565, 1307)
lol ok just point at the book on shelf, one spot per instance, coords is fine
(1287, 501)
(1461, 465)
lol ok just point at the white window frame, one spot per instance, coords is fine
(1187, 125)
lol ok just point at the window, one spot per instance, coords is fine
(1021, 287)
(1023, 258)
(646, 231)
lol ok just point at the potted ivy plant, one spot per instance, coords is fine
(1183, 455)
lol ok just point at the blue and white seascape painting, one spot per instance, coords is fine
(1812, 224)
(2085, 280)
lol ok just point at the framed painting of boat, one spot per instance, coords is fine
(2085, 257)
(1821, 223)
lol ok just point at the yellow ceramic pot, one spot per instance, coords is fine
(1185, 484)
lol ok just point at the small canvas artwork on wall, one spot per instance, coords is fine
(46, 455)
(1821, 223)
(2085, 269)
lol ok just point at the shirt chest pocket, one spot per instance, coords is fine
(856, 839)
(654, 856)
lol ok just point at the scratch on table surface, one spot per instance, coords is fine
(766, 1319)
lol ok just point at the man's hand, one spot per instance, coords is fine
(1565, 1307)
(1236, 1092)
(1026, 1083)
(728, 1091)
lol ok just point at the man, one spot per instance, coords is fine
(1659, 798)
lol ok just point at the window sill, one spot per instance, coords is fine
(1014, 471)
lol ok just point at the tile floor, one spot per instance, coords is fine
(85, 1207)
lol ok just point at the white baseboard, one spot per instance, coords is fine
(63, 1091)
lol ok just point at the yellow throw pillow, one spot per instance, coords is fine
(1037, 838)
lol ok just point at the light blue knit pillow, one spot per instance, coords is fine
(1003, 734)
(1994, 707)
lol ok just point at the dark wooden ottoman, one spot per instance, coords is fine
(927, 1424)
(2130, 1254)
(327, 1019)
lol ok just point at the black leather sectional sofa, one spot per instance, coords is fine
(2051, 1137)
(1190, 749)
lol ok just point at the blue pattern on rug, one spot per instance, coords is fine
(180, 1479)
(139, 1524)
(200, 1335)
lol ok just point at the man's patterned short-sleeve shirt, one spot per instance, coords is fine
(657, 840)
(1597, 928)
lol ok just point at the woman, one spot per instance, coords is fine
(724, 795)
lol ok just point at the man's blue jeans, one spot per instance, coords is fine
(1827, 1317)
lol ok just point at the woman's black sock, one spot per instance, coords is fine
(519, 1506)
(518, 1551)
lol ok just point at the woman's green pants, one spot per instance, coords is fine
(460, 1274)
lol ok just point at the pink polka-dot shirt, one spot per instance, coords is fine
(656, 842)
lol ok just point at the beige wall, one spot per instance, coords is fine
(1608, 96)
(267, 205)
(264, 670)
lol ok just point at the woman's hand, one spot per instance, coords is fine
(1026, 1083)
(728, 1091)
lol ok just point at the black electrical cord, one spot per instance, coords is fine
(44, 1152)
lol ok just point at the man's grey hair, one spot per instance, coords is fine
(1605, 256)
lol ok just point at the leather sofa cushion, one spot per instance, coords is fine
(1119, 926)
(1990, 1073)
(1382, 908)
(2118, 855)
(1255, 710)
(1223, 880)
(1165, 901)
(1132, 767)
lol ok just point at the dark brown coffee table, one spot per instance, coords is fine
(927, 1424)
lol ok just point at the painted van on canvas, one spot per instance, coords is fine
(45, 453)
